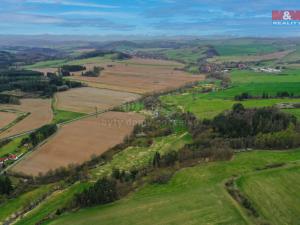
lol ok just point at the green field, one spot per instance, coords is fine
(59, 63)
(295, 112)
(13, 147)
(18, 203)
(275, 194)
(256, 83)
(209, 108)
(245, 49)
(208, 105)
(194, 195)
(60, 116)
(57, 200)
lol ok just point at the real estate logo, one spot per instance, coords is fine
(286, 17)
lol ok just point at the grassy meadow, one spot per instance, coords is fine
(55, 201)
(275, 194)
(208, 105)
(245, 49)
(13, 205)
(195, 195)
(60, 116)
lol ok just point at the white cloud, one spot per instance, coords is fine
(22, 18)
(94, 13)
(72, 3)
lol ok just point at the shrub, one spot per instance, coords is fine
(5, 185)
(161, 178)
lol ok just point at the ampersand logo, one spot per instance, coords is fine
(286, 15)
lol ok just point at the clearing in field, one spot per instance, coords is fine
(40, 114)
(139, 76)
(6, 118)
(87, 99)
(75, 143)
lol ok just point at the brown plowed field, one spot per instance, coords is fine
(87, 99)
(40, 114)
(139, 76)
(6, 118)
(75, 143)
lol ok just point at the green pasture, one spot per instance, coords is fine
(245, 49)
(60, 116)
(275, 194)
(16, 204)
(57, 200)
(194, 195)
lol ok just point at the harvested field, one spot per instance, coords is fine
(6, 118)
(139, 76)
(86, 99)
(75, 143)
(40, 114)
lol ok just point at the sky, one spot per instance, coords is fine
(146, 17)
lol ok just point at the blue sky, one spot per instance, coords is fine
(148, 17)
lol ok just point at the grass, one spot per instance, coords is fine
(140, 157)
(256, 83)
(59, 63)
(57, 200)
(208, 105)
(295, 112)
(18, 203)
(131, 157)
(48, 63)
(13, 147)
(275, 194)
(209, 108)
(194, 195)
(245, 49)
(60, 116)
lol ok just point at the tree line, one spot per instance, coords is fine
(33, 82)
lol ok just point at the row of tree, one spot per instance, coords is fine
(265, 95)
(40, 135)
